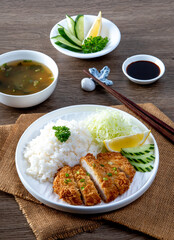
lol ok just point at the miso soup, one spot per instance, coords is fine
(24, 77)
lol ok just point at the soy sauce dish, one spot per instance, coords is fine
(143, 69)
(27, 78)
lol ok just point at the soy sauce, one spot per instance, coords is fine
(143, 70)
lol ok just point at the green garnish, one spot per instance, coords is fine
(82, 180)
(27, 60)
(94, 44)
(78, 172)
(82, 188)
(93, 165)
(115, 169)
(35, 83)
(66, 174)
(109, 174)
(105, 179)
(62, 133)
(67, 180)
(5, 65)
(101, 165)
(110, 163)
(87, 174)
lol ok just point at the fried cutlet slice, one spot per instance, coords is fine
(119, 178)
(104, 184)
(88, 190)
(66, 187)
(115, 159)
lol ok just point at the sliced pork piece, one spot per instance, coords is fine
(119, 178)
(66, 187)
(103, 182)
(120, 162)
(88, 190)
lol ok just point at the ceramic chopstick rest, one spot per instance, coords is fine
(89, 85)
(102, 75)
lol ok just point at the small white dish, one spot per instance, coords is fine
(109, 29)
(143, 57)
(43, 191)
(24, 101)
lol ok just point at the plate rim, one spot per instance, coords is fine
(86, 209)
(89, 55)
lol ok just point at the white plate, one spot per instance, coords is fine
(44, 192)
(109, 30)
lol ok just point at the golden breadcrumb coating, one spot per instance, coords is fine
(66, 187)
(88, 190)
(119, 178)
(111, 173)
(120, 162)
(104, 183)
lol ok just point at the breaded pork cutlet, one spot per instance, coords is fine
(88, 190)
(120, 162)
(104, 184)
(119, 178)
(66, 187)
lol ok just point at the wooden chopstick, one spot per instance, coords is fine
(156, 123)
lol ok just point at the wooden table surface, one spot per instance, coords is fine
(146, 28)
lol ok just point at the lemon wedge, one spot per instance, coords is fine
(96, 27)
(115, 144)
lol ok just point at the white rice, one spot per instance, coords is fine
(45, 154)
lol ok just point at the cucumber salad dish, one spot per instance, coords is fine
(85, 35)
(73, 38)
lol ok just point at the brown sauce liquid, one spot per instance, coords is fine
(143, 70)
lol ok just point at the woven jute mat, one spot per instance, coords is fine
(152, 213)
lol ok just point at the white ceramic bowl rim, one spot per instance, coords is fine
(34, 52)
(103, 52)
(143, 57)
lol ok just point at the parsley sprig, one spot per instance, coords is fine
(94, 44)
(62, 133)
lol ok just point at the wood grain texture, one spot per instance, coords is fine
(146, 27)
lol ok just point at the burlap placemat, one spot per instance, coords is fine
(152, 213)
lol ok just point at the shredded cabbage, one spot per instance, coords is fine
(106, 124)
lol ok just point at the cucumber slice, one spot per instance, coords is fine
(79, 27)
(60, 25)
(59, 38)
(69, 37)
(146, 158)
(140, 157)
(55, 37)
(71, 25)
(67, 45)
(142, 167)
(140, 150)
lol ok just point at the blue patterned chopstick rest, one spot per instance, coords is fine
(102, 75)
